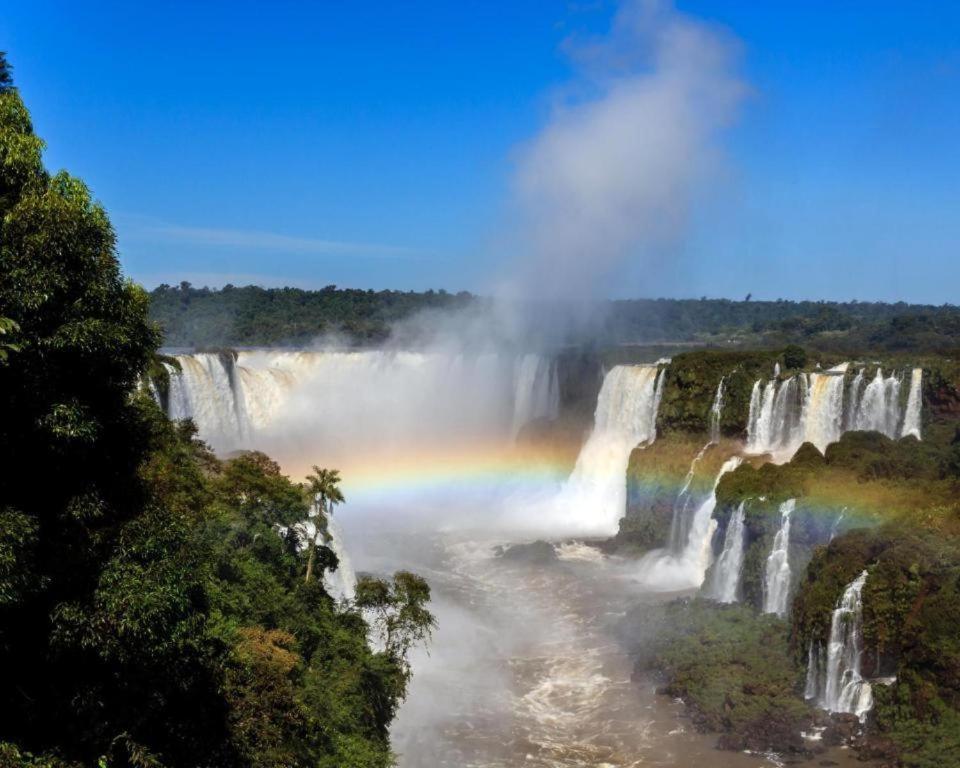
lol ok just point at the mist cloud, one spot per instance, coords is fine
(629, 144)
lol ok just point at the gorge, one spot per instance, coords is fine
(449, 456)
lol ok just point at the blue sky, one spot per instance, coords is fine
(373, 145)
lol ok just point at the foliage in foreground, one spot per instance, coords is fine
(155, 607)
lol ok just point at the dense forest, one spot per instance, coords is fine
(253, 316)
(158, 606)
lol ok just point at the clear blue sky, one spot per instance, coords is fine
(372, 144)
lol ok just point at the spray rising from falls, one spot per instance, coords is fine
(725, 581)
(366, 400)
(835, 681)
(626, 416)
(812, 407)
(776, 583)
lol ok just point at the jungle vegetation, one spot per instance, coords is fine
(158, 606)
(254, 316)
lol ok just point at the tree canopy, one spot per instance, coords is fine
(153, 606)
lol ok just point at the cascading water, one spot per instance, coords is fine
(536, 391)
(666, 569)
(823, 408)
(725, 581)
(776, 417)
(836, 681)
(776, 582)
(911, 419)
(680, 524)
(853, 402)
(626, 416)
(340, 584)
(716, 411)
(814, 681)
(812, 408)
(298, 396)
(879, 407)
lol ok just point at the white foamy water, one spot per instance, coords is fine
(834, 679)
(664, 570)
(372, 400)
(340, 584)
(813, 407)
(725, 581)
(595, 496)
(776, 581)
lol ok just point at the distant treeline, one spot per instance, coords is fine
(252, 316)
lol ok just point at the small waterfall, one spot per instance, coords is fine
(626, 416)
(814, 682)
(853, 402)
(776, 583)
(679, 525)
(725, 581)
(340, 584)
(716, 411)
(823, 408)
(836, 524)
(697, 554)
(812, 408)
(207, 391)
(776, 416)
(879, 407)
(911, 419)
(844, 689)
(536, 391)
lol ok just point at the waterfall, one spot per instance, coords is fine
(911, 419)
(844, 689)
(625, 417)
(355, 403)
(206, 391)
(814, 682)
(716, 410)
(776, 416)
(340, 584)
(725, 581)
(679, 525)
(536, 391)
(853, 402)
(696, 555)
(811, 408)
(776, 583)
(879, 407)
(823, 408)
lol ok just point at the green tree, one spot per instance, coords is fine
(399, 611)
(324, 489)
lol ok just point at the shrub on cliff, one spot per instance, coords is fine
(911, 610)
(732, 667)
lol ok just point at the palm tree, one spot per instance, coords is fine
(324, 488)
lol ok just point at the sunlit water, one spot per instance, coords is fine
(528, 666)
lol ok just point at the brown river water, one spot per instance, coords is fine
(527, 668)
